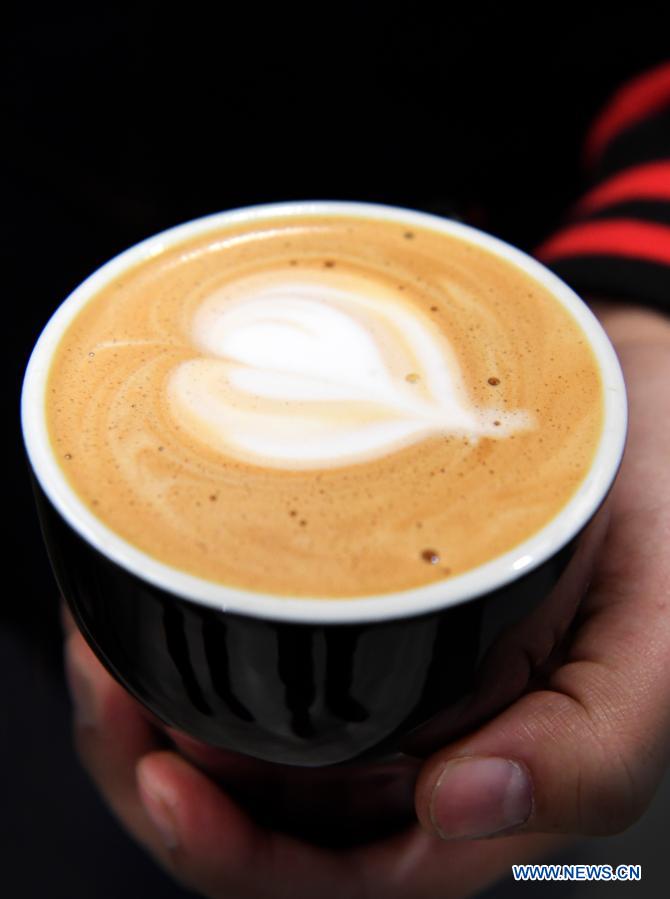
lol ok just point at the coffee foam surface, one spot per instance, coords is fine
(324, 406)
(321, 370)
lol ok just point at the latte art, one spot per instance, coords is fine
(322, 370)
(324, 406)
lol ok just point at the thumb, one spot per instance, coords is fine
(584, 756)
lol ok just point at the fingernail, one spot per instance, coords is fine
(81, 691)
(157, 804)
(478, 796)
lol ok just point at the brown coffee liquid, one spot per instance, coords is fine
(433, 508)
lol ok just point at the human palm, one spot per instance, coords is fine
(587, 750)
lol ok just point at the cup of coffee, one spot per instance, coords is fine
(312, 477)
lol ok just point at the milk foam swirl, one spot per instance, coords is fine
(322, 369)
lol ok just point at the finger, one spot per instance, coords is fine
(578, 761)
(209, 843)
(110, 734)
(190, 826)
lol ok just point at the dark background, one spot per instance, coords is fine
(122, 120)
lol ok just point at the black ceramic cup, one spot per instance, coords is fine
(316, 713)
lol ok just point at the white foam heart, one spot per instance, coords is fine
(320, 370)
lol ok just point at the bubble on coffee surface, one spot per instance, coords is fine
(313, 371)
(431, 556)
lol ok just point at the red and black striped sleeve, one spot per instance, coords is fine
(616, 240)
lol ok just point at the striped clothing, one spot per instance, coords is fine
(615, 242)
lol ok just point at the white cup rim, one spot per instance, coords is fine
(485, 578)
